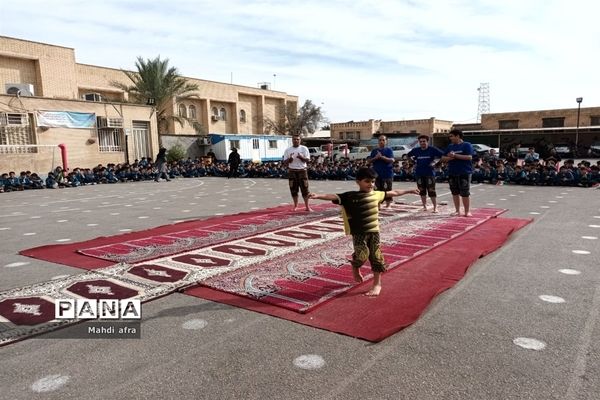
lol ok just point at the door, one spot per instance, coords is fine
(141, 140)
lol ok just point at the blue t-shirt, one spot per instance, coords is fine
(425, 159)
(384, 169)
(460, 167)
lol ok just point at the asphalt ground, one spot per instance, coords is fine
(463, 346)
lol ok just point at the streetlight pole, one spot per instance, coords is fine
(578, 100)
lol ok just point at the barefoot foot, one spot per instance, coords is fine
(375, 290)
(468, 214)
(357, 276)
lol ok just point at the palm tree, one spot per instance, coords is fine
(154, 79)
(296, 121)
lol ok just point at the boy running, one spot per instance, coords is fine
(360, 211)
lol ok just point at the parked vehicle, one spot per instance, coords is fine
(564, 150)
(358, 153)
(315, 152)
(594, 150)
(400, 151)
(481, 149)
(339, 151)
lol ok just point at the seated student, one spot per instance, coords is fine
(25, 181)
(519, 176)
(477, 176)
(61, 177)
(585, 178)
(51, 181)
(441, 173)
(489, 174)
(564, 177)
(548, 175)
(4, 186)
(533, 175)
(36, 181)
(501, 174)
(89, 178)
(595, 175)
(14, 182)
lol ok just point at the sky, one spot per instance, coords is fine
(358, 60)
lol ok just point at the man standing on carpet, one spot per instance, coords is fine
(296, 159)
(360, 211)
(382, 160)
(459, 155)
(425, 156)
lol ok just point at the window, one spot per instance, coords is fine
(242, 116)
(92, 97)
(223, 114)
(182, 111)
(508, 124)
(14, 119)
(255, 144)
(594, 121)
(192, 112)
(110, 139)
(235, 143)
(272, 144)
(15, 130)
(557, 122)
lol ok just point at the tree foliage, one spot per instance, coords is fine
(293, 121)
(154, 79)
(176, 153)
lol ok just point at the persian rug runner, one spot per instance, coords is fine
(293, 261)
(407, 290)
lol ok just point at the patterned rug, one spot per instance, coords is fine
(296, 261)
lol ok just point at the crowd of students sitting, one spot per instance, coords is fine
(487, 169)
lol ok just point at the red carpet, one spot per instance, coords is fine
(306, 272)
(151, 243)
(407, 290)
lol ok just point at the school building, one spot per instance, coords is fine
(47, 99)
(576, 128)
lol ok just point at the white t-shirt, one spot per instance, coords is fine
(296, 162)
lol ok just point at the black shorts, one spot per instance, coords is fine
(460, 184)
(383, 185)
(426, 185)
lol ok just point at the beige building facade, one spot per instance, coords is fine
(367, 130)
(578, 128)
(38, 78)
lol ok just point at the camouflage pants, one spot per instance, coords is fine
(366, 247)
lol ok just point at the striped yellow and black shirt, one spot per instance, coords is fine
(360, 211)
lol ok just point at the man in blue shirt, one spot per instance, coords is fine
(458, 155)
(424, 157)
(382, 160)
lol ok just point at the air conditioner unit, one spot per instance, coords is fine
(104, 122)
(215, 118)
(19, 89)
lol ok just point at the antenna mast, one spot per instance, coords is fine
(484, 100)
